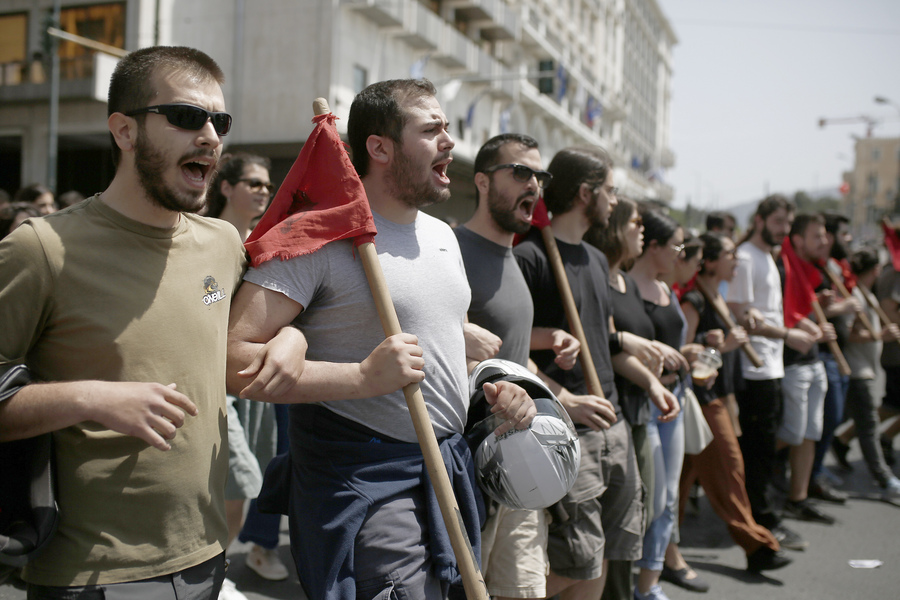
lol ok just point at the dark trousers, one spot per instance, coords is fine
(760, 404)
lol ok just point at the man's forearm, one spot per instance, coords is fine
(43, 407)
(631, 368)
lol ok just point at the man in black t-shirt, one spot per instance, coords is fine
(600, 518)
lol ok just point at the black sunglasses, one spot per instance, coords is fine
(188, 116)
(258, 184)
(522, 173)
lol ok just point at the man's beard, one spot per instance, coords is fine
(150, 164)
(402, 185)
(767, 237)
(594, 215)
(838, 250)
(504, 216)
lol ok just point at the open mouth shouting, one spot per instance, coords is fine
(197, 170)
(525, 207)
(440, 170)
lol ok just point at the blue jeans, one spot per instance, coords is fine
(263, 528)
(834, 409)
(667, 444)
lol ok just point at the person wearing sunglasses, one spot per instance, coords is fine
(119, 306)
(241, 191)
(508, 180)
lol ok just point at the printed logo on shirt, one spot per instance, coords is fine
(212, 292)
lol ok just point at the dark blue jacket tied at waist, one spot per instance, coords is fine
(337, 469)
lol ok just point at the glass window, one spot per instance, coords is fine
(360, 79)
(13, 46)
(103, 23)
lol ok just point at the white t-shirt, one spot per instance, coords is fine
(757, 284)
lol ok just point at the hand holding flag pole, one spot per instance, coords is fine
(323, 200)
(800, 281)
(722, 310)
(860, 314)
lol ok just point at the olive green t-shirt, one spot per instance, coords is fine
(88, 294)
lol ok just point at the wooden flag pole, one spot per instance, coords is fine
(725, 315)
(833, 347)
(473, 581)
(873, 302)
(565, 293)
(860, 314)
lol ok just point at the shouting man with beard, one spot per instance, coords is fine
(119, 307)
(508, 182)
(755, 297)
(364, 522)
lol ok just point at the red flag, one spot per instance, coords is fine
(847, 274)
(321, 200)
(680, 290)
(540, 218)
(801, 278)
(892, 241)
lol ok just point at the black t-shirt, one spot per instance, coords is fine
(709, 320)
(588, 273)
(629, 316)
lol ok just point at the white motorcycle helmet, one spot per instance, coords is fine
(530, 468)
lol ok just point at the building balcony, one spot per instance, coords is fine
(667, 158)
(452, 49)
(421, 27)
(385, 13)
(493, 19)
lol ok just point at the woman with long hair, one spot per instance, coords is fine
(719, 468)
(663, 245)
(241, 191)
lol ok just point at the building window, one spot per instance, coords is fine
(360, 79)
(103, 23)
(876, 154)
(545, 83)
(872, 184)
(13, 48)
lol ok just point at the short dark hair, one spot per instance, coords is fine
(718, 218)
(692, 245)
(833, 222)
(863, 260)
(32, 192)
(803, 221)
(611, 240)
(489, 154)
(133, 82)
(570, 168)
(377, 110)
(658, 226)
(231, 169)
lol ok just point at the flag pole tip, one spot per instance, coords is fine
(320, 106)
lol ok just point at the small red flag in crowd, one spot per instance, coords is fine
(892, 241)
(801, 278)
(322, 200)
(540, 218)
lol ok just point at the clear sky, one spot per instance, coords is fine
(752, 79)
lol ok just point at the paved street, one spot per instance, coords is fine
(867, 528)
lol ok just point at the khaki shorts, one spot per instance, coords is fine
(602, 515)
(514, 553)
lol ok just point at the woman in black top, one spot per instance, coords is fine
(720, 467)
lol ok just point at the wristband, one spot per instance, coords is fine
(615, 343)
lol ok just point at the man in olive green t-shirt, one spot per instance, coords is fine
(119, 307)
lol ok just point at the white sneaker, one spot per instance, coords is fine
(230, 592)
(266, 563)
(891, 490)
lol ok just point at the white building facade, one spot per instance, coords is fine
(567, 72)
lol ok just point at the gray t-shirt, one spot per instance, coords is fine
(888, 287)
(425, 275)
(863, 357)
(501, 302)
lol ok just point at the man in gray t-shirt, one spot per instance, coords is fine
(359, 508)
